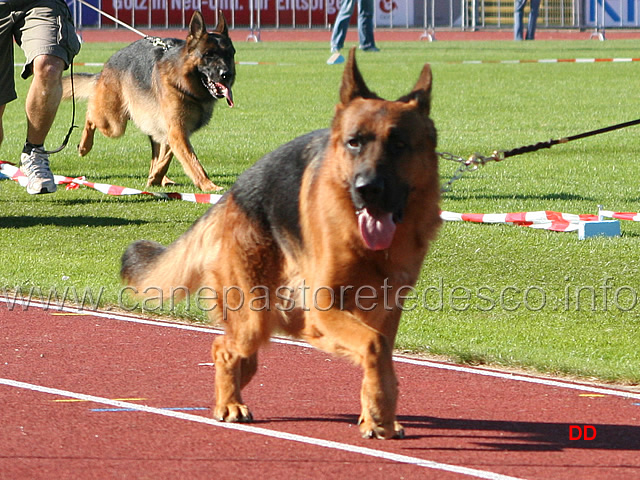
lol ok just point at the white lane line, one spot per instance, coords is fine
(521, 378)
(393, 457)
(424, 363)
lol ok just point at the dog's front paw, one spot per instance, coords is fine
(234, 413)
(371, 429)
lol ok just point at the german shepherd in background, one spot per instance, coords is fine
(168, 88)
(321, 239)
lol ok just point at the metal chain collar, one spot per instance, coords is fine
(158, 42)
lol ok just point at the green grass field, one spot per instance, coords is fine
(488, 294)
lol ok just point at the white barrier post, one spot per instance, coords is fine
(599, 32)
(429, 32)
(254, 34)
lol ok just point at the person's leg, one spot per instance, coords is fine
(43, 97)
(341, 24)
(533, 19)
(518, 18)
(41, 107)
(1, 127)
(7, 70)
(366, 12)
(49, 41)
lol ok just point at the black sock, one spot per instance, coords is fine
(28, 147)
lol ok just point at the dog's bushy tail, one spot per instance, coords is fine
(83, 85)
(176, 271)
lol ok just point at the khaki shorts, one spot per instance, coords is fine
(40, 27)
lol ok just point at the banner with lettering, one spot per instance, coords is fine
(280, 13)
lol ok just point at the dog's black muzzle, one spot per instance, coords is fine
(218, 81)
(379, 191)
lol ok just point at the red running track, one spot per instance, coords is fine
(99, 395)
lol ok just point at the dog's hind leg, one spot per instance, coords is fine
(161, 156)
(106, 111)
(86, 141)
(235, 355)
(243, 274)
(248, 368)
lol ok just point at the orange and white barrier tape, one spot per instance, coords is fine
(549, 60)
(546, 220)
(16, 174)
(632, 216)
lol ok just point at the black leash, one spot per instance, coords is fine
(551, 143)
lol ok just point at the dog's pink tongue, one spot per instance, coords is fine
(227, 93)
(376, 230)
(229, 97)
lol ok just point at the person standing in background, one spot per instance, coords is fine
(518, 19)
(366, 11)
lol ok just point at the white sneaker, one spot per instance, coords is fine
(35, 166)
(335, 59)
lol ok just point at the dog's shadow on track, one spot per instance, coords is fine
(498, 435)
(520, 436)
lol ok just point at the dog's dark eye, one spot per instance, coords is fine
(354, 145)
(397, 144)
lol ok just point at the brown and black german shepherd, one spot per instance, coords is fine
(168, 88)
(321, 239)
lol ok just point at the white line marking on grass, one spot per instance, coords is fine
(399, 359)
(345, 447)
(542, 60)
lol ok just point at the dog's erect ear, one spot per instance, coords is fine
(421, 93)
(197, 27)
(353, 85)
(221, 27)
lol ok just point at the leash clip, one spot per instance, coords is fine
(498, 155)
(158, 42)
